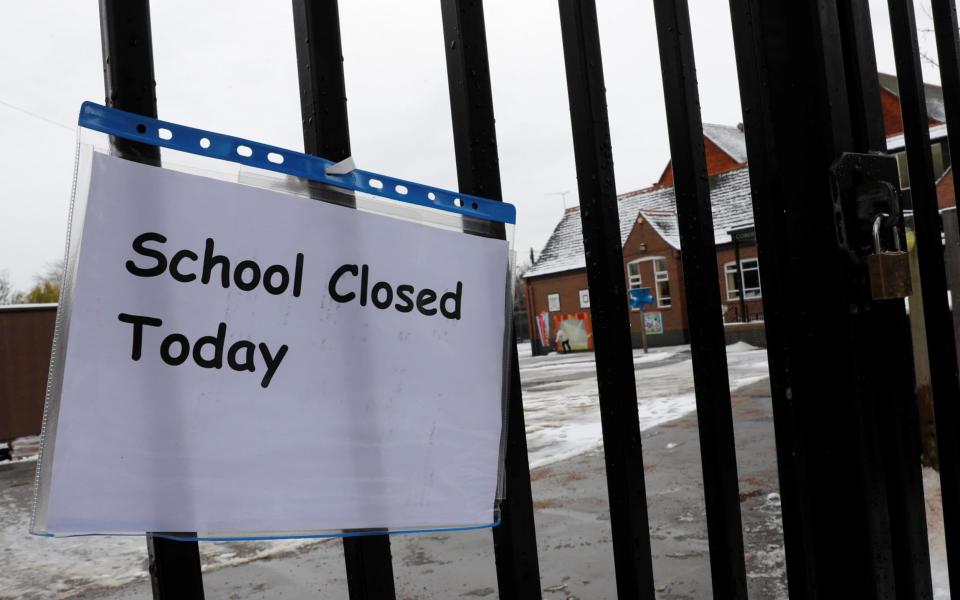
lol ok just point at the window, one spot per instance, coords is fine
(662, 278)
(633, 275)
(584, 298)
(553, 302)
(751, 279)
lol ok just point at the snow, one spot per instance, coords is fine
(899, 141)
(936, 540)
(562, 421)
(48, 567)
(729, 139)
(730, 200)
(561, 402)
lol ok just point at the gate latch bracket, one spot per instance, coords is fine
(865, 188)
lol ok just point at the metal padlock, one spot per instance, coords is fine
(889, 271)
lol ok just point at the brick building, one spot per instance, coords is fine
(557, 292)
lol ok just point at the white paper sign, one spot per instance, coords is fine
(343, 371)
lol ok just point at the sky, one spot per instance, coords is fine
(230, 66)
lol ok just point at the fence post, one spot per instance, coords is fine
(478, 172)
(323, 105)
(129, 83)
(608, 299)
(707, 339)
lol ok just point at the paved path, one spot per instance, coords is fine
(573, 531)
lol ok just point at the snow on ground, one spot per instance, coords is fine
(562, 420)
(36, 567)
(936, 541)
(560, 397)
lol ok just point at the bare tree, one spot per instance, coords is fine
(6, 290)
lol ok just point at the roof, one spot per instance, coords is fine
(898, 141)
(933, 94)
(732, 208)
(729, 139)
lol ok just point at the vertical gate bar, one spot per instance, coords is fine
(323, 106)
(174, 569)
(701, 281)
(948, 53)
(941, 345)
(756, 99)
(863, 85)
(129, 84)
(608, 299)
(478, 172)
(797, 117)
(887, 337)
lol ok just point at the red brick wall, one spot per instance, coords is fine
(718, 161)
(643, 242)
(675, 316)
(945, 193)
(726, 254)
(568, 285)
(892, 122)
(892, 119)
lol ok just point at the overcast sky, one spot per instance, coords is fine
(230, 66)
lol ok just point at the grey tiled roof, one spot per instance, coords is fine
(729, 195)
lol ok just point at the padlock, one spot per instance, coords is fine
(889, 271)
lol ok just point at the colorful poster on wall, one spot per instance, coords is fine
(543, 329)
(577, 329)
(653, 323)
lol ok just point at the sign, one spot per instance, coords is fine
(639, 297)
(653, 323)
(553, 302)
(584, 298)
(244, 360)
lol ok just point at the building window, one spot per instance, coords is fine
(584, 298)
(662, 279)
(553, 302)
(751, 279)
(633, 274)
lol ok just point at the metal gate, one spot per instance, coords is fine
(815, 139)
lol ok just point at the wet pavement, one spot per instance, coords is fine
(573, 531)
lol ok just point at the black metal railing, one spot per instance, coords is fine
(841, 370)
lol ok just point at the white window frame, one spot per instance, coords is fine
(585, 295)
(550, 302)
(634, 281)
(661, 277)
(730, 273)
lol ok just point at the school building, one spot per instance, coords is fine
(556, 284)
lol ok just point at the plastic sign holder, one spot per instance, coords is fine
(249, 346)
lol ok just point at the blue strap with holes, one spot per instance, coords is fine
(227, 147)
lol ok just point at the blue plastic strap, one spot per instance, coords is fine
(138, 128)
